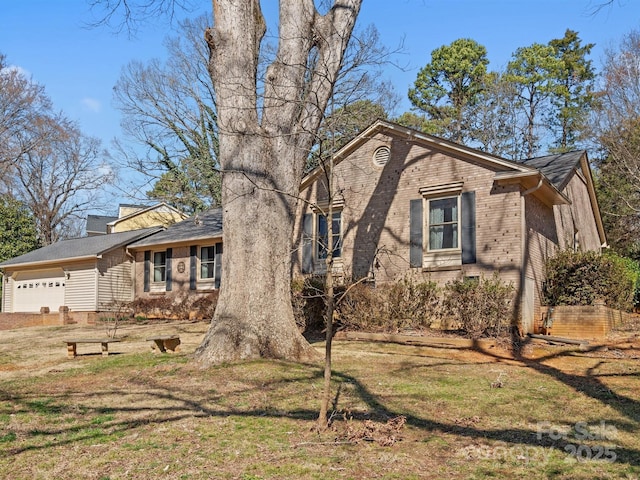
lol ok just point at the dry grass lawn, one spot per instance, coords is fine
(400, 412)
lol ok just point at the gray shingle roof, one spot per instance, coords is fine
(202, 226)
(79, 247)
(556, 167)
(98, 223)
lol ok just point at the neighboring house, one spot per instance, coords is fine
(407, 203)
(133, 217)
(87, 274)
(84, 274)
(184, 258)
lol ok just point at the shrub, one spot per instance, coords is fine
(360, 306)
(204, 307)
(180, 307)
(582, 278)
(483, 306)
(154, 307)
(307, 300)
(413, 304)
(363, 308)
(391, 307)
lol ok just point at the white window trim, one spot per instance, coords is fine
(205, 283)
(316, 243)
(428, 248)
(153, 267)
(199, 277)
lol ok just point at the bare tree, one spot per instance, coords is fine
(266, 130)
(169, 109)
(22, 101)
(45, 161)
(617, 125)
(263, 148)
(60, 177)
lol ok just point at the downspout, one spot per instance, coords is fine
(523, 242)
(132, 272)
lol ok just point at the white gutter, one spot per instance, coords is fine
(13, 266)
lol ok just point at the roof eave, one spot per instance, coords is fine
(169, 243)
(440, 143)
(539, 185)
(56, 262)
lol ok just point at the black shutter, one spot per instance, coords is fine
(416, 222)
(468, 212)
(168, 266)
(147, 269)
(307, 243)
(193, 267)
(218, 265)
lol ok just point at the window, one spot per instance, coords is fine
(443, 223)
(159, 266)
(322, 236)
(207, 262)
(442, 227)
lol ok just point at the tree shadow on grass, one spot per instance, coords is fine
(172, 400)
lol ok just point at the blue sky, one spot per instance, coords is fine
(79, 66)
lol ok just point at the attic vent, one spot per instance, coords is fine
(381, 156)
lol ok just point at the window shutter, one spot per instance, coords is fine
(147, 269)
(415, 232)
(218, 265)
(168, 266)
(307, 243)
(193, 267)
(468, 212)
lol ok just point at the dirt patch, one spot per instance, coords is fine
(39, 350)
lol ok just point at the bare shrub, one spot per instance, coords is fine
(203, 307)
(390, 308)
(307, 300)
(363, 308)
(483, 306)
(413, 304)
(182, 307)
(152, 307)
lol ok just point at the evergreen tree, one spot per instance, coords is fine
(573, 96)
(447, 86)
(18, 231)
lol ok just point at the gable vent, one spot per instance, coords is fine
(381, 156)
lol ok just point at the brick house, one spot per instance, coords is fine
(407, 203)
(186, 258)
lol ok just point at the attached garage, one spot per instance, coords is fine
(78, 274)
(37, 289)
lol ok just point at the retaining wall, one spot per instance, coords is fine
(580, 322)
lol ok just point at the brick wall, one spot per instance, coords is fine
(9, 321)
(581, 322)
(375, 215)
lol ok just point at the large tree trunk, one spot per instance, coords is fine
(262, 158)
(254, 317)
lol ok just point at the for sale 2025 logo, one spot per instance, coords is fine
(600, 438)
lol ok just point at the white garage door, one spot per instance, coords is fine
(43, 288)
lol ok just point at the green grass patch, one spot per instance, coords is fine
(467, 416)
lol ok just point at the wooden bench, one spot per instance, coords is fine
(165, 342)
(104, 342)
